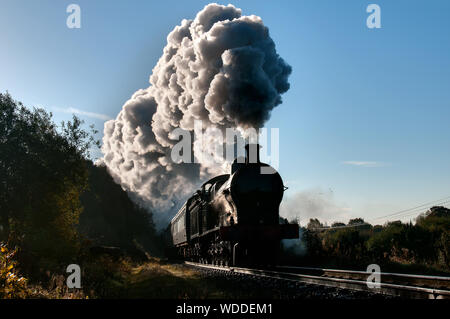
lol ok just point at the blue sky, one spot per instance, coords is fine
(366, 121)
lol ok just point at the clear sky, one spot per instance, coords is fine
(365, 123)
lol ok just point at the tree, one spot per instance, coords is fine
(314, 223)
(43, 173)
(337, 224)
(356, 221)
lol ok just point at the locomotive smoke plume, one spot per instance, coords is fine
(221, 68)
(314, 203)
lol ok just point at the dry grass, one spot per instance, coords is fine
(158, 279)
(153, 279)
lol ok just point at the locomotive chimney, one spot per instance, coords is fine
(252, 153)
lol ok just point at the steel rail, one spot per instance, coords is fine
(436, 282)
(391, 289)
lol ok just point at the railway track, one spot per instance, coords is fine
(393, 284)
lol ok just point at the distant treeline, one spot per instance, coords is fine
(55, 205)
(423, 246)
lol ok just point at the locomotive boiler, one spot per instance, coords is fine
(233, 219)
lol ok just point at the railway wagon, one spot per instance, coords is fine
(233, 219)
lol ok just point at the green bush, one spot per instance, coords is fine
(425, 243)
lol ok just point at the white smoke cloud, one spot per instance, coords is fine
(221, 68)
(314, 203)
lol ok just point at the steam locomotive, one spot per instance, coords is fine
(233, 219)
